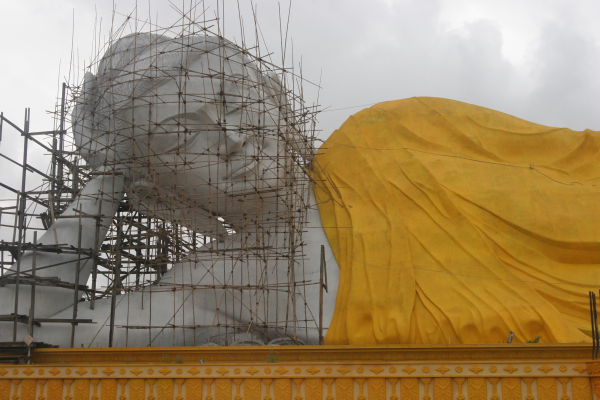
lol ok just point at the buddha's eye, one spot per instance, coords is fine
(232, 97)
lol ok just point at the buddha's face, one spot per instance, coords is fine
(200, 156)
(221, 145)
(195, 144)
(203, 157)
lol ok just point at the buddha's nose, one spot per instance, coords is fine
(234, 143)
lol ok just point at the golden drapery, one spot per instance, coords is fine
(453, 223)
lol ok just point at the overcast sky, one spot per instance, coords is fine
(537, 59)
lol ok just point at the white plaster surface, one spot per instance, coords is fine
(193, 303)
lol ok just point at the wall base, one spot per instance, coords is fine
(307, 372)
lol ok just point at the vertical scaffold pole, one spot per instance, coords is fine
(61, 139)
(95, 261)
(116, 280)
(1, 252)
(322, 285)
(594, 324)
(596, 333)
(22, 227)
(76, 283)
(31, 318)
(32, 294)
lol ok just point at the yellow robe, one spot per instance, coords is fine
(453, 223)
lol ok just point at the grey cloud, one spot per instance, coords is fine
(368, 52)
(565, 78)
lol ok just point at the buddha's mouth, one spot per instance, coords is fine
(243, 170)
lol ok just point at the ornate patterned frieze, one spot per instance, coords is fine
(328, 379)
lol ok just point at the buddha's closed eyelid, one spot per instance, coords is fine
(183, 122)
(182, 118)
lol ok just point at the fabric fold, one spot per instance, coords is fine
(461, 224)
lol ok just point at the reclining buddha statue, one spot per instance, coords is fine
(440, 222)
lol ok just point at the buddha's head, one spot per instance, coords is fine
(201, 131)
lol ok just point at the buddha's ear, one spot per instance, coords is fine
(83, 115)
(88, 96)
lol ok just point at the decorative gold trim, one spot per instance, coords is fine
(195, 355)
(289, 374)
(299, 371)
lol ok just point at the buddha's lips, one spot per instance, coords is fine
(244, 169)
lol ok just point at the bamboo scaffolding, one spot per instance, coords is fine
(142, 244)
